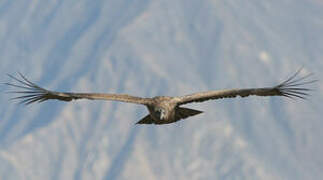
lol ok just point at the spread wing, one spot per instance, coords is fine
(293, 87)
(30, 93)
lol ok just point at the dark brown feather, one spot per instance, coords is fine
(30, 93)
(146, 120)
(183, 113)
(293, 87)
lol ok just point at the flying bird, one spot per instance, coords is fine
(162, 109)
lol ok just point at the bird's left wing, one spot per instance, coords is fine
(292, 87)
(30, 93)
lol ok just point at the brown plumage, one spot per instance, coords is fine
(162, 109)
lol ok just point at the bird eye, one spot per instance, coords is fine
(159, 111)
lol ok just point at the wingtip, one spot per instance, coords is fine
(29, 91)
(293, 87)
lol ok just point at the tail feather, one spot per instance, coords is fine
(146, 120)
(183, 113)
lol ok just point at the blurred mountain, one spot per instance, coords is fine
(148, 48)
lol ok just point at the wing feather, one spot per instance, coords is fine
(30, 93)
(293, 87)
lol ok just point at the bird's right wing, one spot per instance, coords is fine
(30, 93)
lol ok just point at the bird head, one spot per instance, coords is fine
(160, 113)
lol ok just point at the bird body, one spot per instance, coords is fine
(163, 109)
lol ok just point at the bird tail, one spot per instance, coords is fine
(146, 120)
(180, 113)
(183, 113)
